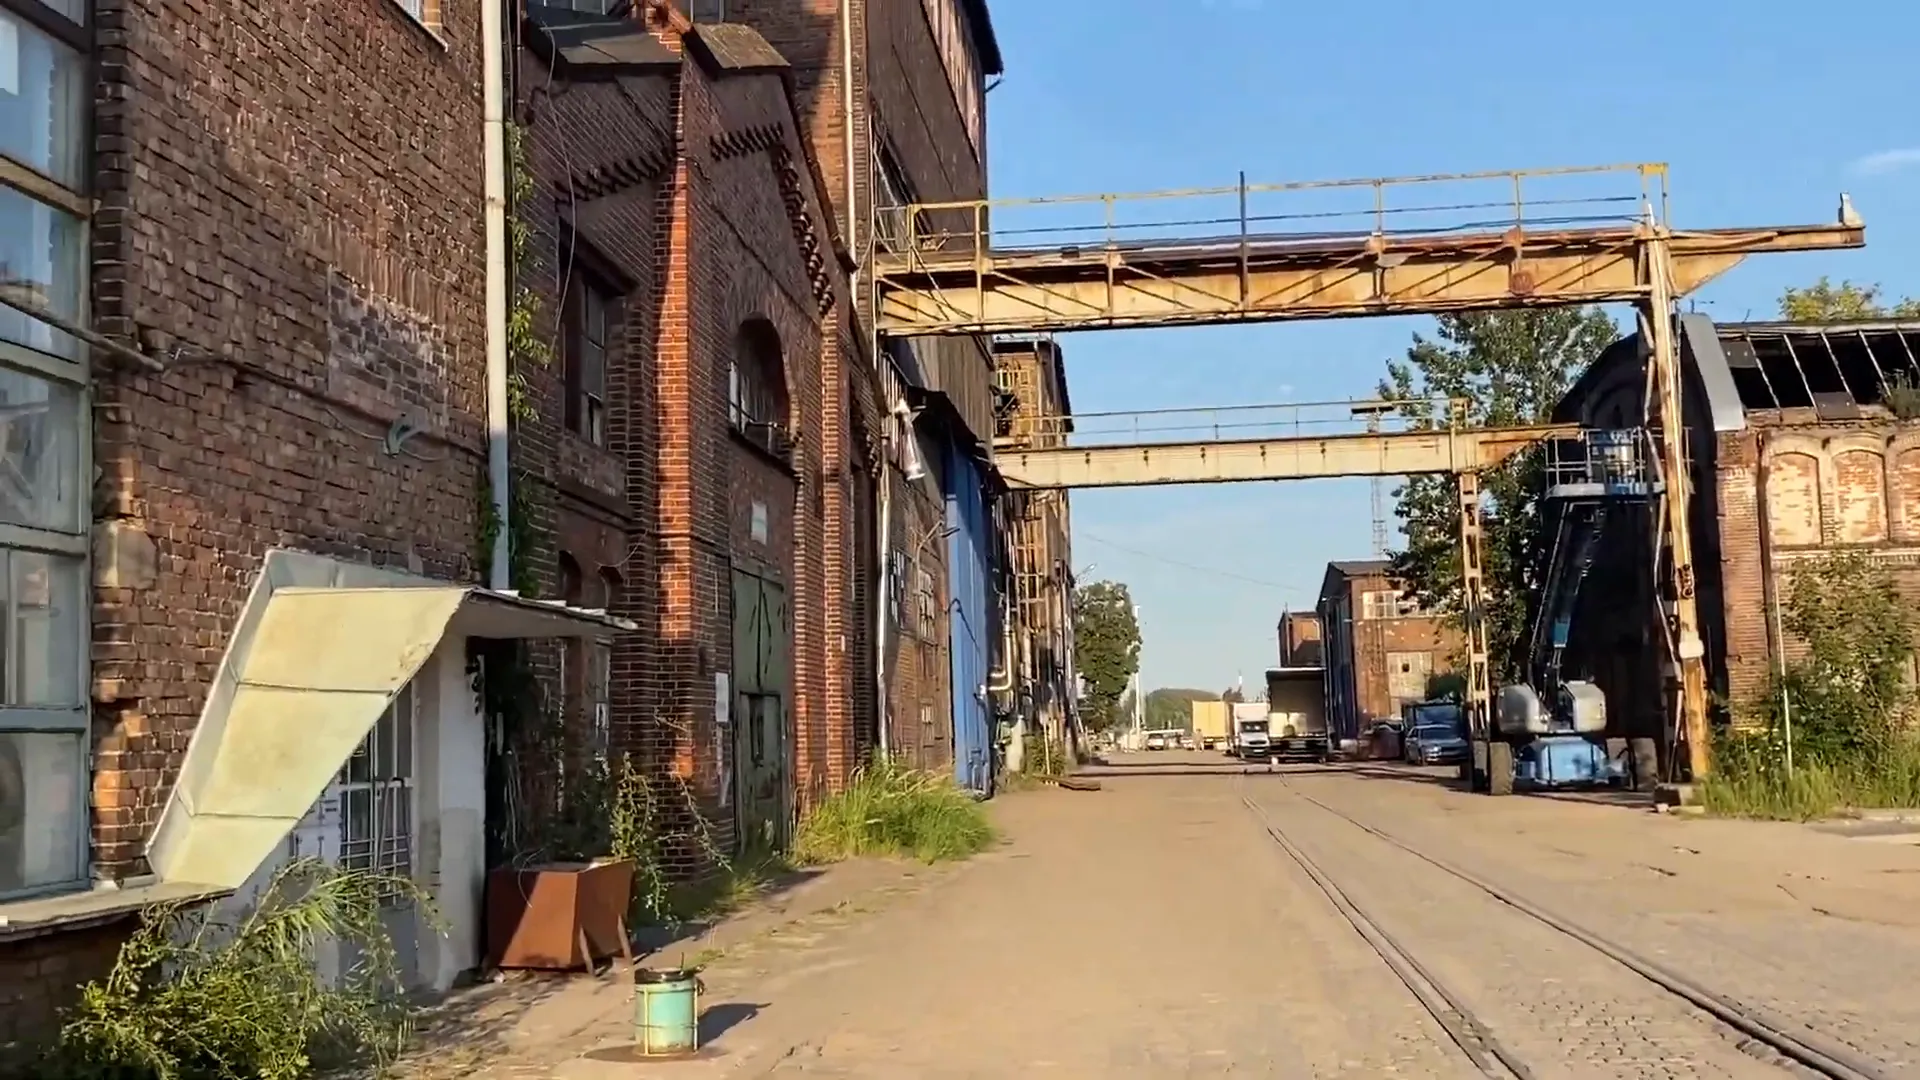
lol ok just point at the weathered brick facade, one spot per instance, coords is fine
(313, 275)
(1377, 653)
(680, 188)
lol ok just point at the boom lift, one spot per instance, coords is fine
(1550, 732)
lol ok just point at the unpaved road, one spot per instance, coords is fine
(1163, 927)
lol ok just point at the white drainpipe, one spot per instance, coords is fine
(493, 47)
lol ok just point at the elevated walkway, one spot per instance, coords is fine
(1412, 245)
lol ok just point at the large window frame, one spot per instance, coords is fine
(45, 579)
(593, 316)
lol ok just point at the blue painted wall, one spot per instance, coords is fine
(969, 621)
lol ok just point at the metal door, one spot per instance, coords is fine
(969, 626)
(377, 815)
(760, 694)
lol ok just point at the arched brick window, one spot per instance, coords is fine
(757, 386)
(569, 580)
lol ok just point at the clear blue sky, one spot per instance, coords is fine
(1765, 111)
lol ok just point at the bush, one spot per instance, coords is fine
(1841, 713)
(889, 809)
(194, 995)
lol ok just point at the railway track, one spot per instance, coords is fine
(1764, 1039)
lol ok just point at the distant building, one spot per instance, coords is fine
(1378, 647)
(1300, 644)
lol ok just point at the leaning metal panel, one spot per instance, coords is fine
(1415, 245)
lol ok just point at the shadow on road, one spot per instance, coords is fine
(719, 1019)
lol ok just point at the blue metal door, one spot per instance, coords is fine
(969, 632)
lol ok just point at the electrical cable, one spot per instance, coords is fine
(1187, 565)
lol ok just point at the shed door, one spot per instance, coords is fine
(760, 696)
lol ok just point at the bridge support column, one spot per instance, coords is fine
(1656, 323)
(1477, 701)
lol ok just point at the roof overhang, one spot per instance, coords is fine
(317, 654)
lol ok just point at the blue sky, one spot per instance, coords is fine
(1765, 111)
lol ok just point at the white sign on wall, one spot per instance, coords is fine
(758, 526)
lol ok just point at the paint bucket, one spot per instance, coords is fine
(666, 1011)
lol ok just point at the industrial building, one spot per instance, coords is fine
(1379, 648)
(1035, 412)
(1797, 449)
(1300, 644)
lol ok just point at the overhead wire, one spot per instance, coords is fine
(1197, 568)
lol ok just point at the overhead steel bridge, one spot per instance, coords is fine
(1339, 249)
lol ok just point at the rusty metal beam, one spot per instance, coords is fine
(1296, 458)
(1276, 278)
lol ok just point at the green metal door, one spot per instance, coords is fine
(760, 694)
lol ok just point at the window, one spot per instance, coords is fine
(1387, 604)
(893, 223)
(927, 606)
(600, 699)
(590, 306)
(376, 794)
(706, 11)
(756, 387)
(424, 12)
(586, 7)
(44, 443)
(954, 42)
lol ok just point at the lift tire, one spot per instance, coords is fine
(1499, 768)
(1646, 763)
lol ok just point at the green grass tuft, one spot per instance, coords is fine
(889, 809)
(1751, 780)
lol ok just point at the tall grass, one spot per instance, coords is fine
(1750, 779)
(890, 809)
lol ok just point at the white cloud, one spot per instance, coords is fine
(1883, 162)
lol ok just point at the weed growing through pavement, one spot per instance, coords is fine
(889, 809)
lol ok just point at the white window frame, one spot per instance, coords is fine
(391, 782)
(66, 542)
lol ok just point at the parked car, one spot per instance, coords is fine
(1186, 742)
(1156, 741)
(1434, 733)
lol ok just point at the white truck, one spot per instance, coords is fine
(1252, 741)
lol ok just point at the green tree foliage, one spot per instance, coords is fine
(1824, 301)
(1849, 693)
(1505, 367)
(1106, 641)
(1172, 707)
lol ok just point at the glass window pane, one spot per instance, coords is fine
(42, 817)
(40, 252)
(43, 98)
(596, 305)
(72, 9)
(50, 629)
(40, 430)
(593, 370)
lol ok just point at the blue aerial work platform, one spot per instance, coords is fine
(1551, 731)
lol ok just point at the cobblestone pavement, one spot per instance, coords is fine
(1817, 930)
(1153, 929)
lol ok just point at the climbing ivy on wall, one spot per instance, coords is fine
(524, 343)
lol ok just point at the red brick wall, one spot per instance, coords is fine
(330, 256)
(40, 978)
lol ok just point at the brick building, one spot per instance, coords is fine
(280, 325)
(1300, 644)
(1795, 452)
(895, 107)
(1379, 649)
(1036, 413)
(696, 435)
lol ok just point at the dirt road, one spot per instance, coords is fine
(1189, 920)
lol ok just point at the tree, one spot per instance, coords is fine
(1172, 707)
(1824, 301)
(1106, 641)
(1502, 368)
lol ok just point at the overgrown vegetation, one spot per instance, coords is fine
(200, 995)
(889, 809)
(524, 343)
(1833, 731)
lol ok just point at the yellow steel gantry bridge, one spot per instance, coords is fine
(937, 270)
